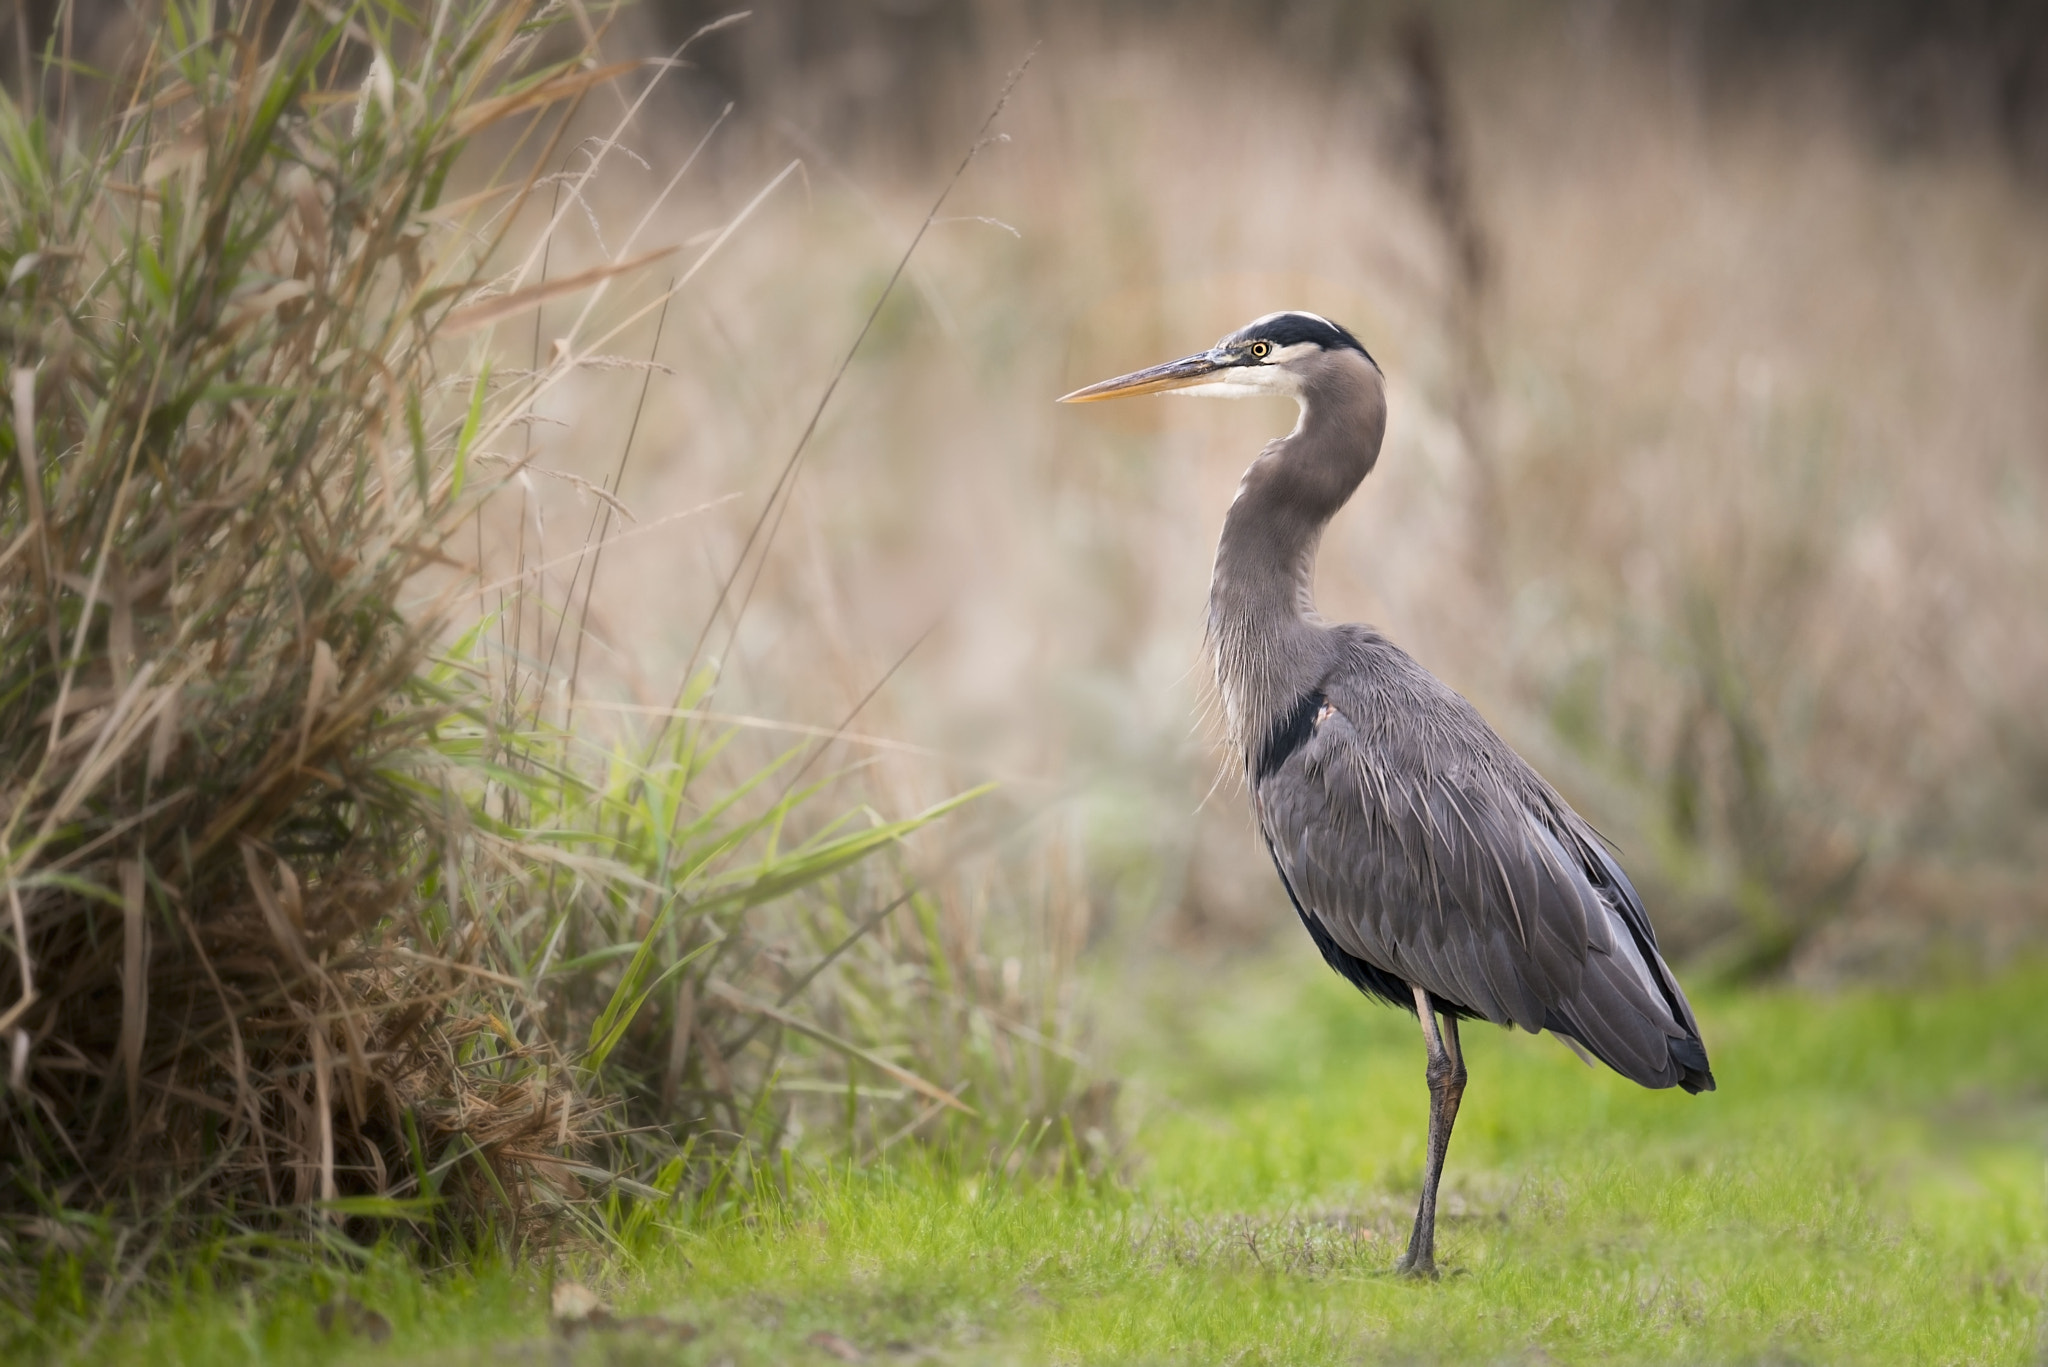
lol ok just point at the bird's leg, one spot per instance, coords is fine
(1446, 1074)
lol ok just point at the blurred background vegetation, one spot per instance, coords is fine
(1715, 467)
(1716, 475)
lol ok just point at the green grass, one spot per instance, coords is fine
(1867, 1186)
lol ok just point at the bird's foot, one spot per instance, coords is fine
(1422, 1268)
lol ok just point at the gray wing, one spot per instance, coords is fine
(1423, 846)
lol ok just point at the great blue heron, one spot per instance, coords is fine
(1432, 866)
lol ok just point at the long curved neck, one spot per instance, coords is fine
(1266, 643)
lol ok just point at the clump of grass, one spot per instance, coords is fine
(231, 452)
(737, 966)
(314, 906)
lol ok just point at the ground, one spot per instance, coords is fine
(1867, 1186)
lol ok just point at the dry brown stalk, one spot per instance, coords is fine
(232, 459)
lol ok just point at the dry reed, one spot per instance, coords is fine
(323, 899)
(231, 454)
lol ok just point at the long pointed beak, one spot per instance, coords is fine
(1173, 375)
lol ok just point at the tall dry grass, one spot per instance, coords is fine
(226, 466)
(327, 906)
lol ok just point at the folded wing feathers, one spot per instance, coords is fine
(1471, 879)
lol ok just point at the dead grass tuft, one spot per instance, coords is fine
(324, 898)
(229, 454)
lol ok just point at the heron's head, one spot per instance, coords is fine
(1281, 353)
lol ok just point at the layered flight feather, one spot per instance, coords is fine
(1420, 849)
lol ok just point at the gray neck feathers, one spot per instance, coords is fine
(1265, 640)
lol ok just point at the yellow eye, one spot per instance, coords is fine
(1259, 350)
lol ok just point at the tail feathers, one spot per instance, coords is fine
(1691, 1057)
(1628, 1010)
(1680, 1062)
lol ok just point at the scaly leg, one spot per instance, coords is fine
(1446, 1074)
